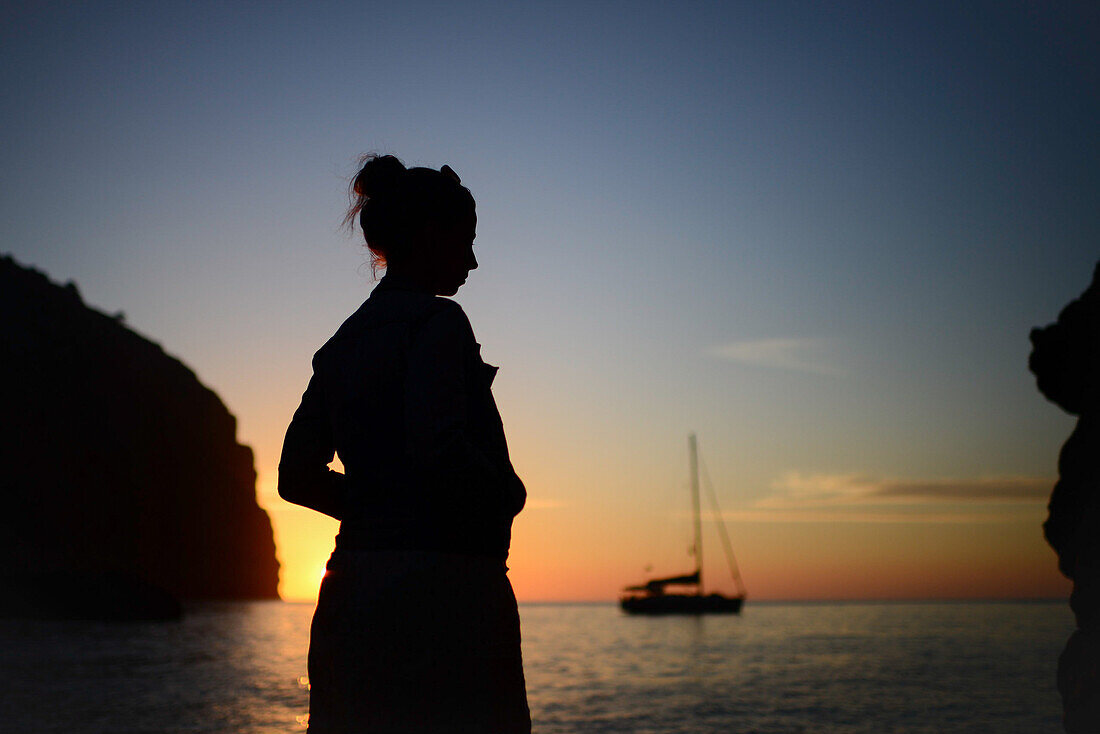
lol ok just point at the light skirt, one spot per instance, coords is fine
(404, 642)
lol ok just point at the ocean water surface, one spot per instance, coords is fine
(851, 667)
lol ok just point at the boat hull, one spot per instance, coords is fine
(682, 604)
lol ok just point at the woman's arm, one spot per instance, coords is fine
(304, 476)
(437, 430)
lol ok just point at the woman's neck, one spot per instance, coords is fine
(409, 279)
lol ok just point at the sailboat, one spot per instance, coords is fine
(652, 597)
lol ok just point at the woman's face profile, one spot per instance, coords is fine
(453, 255)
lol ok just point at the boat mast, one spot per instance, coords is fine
(694, 454)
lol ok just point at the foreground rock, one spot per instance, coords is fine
(1066, 363)
(124, 489)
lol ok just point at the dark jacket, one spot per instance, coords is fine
(401, 394)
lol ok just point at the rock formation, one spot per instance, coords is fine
(122, 482)
(1066, 361)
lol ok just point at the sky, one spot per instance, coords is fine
(816, 235)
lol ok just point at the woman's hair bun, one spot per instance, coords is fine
(392, 202)
(377, 175)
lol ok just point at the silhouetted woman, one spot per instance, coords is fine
(416, 628)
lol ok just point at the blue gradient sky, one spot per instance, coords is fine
(816, 235)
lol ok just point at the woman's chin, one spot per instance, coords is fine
(452, 289)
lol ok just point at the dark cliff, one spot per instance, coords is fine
(120, 473)
(1066, 361)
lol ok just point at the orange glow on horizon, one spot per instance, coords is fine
(566, 558)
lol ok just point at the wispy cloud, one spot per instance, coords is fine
(795, 489)
(849, 516)
(801, 355)
(854, 498)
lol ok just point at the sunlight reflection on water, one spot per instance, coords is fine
(797, 668)
(224, 668)
(590, 669)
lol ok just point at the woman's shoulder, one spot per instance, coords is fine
(447, 311)
(416, 315)
(443, 318)
(417, 310)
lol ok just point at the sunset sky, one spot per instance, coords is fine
(815, 234)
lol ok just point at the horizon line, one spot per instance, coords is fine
(843, 600)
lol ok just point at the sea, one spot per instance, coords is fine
(777, 667)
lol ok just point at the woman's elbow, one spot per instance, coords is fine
(292, 484)
(321, 490)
